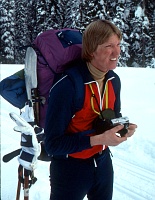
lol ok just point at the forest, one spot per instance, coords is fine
(22, 21)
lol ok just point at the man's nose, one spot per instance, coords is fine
(116, 50)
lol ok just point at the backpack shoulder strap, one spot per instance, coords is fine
(76, 77)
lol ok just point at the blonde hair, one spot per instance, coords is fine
(96, 33)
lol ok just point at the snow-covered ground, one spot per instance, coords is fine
(134, 160)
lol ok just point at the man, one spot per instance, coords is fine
(80, 158)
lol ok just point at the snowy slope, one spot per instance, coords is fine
(134, 160)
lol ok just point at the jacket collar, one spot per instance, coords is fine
(87, 75)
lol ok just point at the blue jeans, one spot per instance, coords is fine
(73, 179)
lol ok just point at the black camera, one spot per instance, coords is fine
(101, 125)
(123, 121)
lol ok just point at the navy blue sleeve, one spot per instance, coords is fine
(117, 88)
(60, 110)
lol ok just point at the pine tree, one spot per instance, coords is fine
(139, 38)
(21, 29)
(7, 11)
(43, 15)
(77, 14)
(89, 11)
(120, 22)
(150, 46)
(31, 20)
(118, 12)
(22, 21)
(59, 13)
(71, 13)
(110, 7)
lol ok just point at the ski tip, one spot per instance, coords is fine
(6, 158)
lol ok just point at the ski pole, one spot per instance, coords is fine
(36, 102)
(20, 175)
(26, 184)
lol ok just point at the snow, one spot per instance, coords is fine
(139, 12)
(133, 161)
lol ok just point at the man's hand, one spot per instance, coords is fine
(110, 137)
(30, 147)
(131, 129)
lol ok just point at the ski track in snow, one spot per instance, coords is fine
(144, 178)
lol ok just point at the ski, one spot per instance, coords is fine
(30, 70)
(31, 114)
(11, 155)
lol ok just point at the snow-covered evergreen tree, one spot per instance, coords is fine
(22, 33)
(7, 31)
(139, 38)
(150, 13)
(91, 10)
(119, 19)
(43, 15)
(72, 14)
(22, 21)
(60, 9)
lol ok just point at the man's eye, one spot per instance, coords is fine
(109, 45)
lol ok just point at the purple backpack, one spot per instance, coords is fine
(55, 49)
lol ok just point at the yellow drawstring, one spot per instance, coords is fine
(93, 95)
(106, 95)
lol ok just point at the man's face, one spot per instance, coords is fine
(106, 55)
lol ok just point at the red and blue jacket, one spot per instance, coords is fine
(67, 130)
